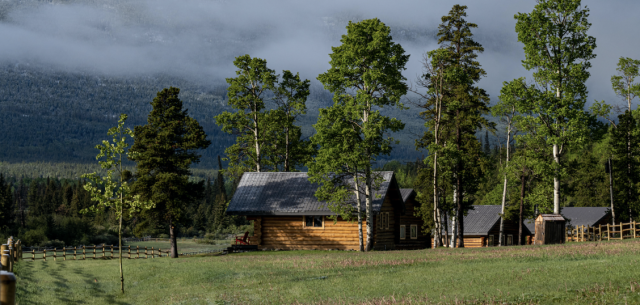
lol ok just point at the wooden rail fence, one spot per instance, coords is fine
(604, 232)
(95, 252)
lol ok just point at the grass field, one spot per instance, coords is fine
(577, 273)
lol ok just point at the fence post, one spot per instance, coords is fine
(137, 251)
(608, 233)
(151, 252)
(103, 251)
(94, 251)
(129, 252)
(44, 254)
(4, 261)
(159, 252)
(7, 288)
(600, 232)
(33, 254)
(84, 253)
(55, 253)
(146, 255)
(18, 250)
(75, 249)
(64, 253)
(634, 229)
(621, 235)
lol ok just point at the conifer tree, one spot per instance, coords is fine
(465, 105)
(164, 150)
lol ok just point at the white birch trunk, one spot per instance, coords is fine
(359, 208)
(454, 222)
(368, 202)
(556, 181)
(504, 188)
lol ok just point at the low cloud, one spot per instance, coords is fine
(198, 39)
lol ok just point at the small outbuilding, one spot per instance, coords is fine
(550, 229)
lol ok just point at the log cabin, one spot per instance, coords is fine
(482, 228)
(286, 215)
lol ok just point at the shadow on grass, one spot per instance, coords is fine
(28, 274)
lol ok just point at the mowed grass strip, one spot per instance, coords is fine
(604, 272)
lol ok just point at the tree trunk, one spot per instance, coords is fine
(521, 209)
(454, 231)
(504, 190)
(368, 194)
(459, 190)
(286, 150)
(256, 135)
(613, 213)
(120, 250)
(556, 181)
(436, 221)
(504, 199)
(359, 207)
(174, 244)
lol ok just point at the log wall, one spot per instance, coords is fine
(289, 233)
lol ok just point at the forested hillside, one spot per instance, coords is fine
(59, 117)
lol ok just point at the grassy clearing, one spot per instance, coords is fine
(604, 273)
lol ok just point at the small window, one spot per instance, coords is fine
(414, 231)
(313, 221)
(403, 233)
(386, 221)
(383, 220)
(490, 242)
(509, 240)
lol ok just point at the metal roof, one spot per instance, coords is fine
(287, 193)
(587, 216)
(577, 216)
(406, 194)
(482, 219)
(550, 217)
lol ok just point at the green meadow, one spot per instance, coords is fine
(576, 273)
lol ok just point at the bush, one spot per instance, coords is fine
(106, 239)
(33, 238)
(72, 230)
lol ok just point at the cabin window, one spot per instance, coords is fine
(414, 231)
(509, 240)
(313, 221)
(490, 242)
(383, 220)
(403, 233)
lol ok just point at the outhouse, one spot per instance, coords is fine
(550, 229)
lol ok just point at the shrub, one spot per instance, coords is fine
(34, 238)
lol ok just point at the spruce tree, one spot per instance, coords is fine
(465, 105)
(164, 150)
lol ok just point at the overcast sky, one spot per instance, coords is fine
(199, 39)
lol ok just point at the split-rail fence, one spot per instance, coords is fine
(619, 231)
